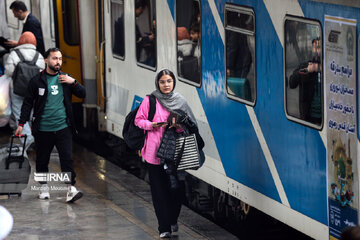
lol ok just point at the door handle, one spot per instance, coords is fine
(66, 56)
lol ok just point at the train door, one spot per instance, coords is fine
(100, 44)
(117, 63)
(68, 38)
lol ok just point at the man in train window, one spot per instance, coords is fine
(308, 77)
(145, 42)
(49, 94)
(31, 24)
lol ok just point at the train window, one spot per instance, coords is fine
(145, 28)
(240, 54)
(35, 9)
(303, 71)
(11, 20)
(188, 25)
(117, 29)
(70, 22)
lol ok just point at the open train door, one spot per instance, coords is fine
(100, 44)
(100, 63)
(68, 38)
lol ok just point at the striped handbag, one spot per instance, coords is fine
(187, 153)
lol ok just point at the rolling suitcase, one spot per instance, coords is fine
(14, 168)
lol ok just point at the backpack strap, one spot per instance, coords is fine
(193, 50)
(152, 107)
(22, 59)
(33, 62)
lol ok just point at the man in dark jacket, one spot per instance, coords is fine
(307, 76)
(49, 94)
(31, 24)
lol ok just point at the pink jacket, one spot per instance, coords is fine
(154, 135)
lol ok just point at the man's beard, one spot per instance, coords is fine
(55, 68)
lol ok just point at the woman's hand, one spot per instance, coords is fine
(174, 124)
(159, 124)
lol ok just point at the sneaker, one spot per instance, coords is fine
(44, 192)
(73, 194)
(175, 227)
(165, 235)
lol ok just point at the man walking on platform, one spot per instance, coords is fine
(31, 24)
(50, 94)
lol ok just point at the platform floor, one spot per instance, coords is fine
(116, 205)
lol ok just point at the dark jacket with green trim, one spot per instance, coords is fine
(36, 98)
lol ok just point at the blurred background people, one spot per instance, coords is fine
(31, 24)
(145, 42)
(27, 48)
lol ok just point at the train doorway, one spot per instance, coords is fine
(68, 38)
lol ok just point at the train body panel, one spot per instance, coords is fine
(255, 153)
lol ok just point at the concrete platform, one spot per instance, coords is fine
(116, 205)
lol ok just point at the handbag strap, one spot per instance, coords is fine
(177, 160)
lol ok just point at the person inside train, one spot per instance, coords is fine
(145, 43)
(185, 45)
(189, 53)
(195, 37)
(238, 55)
(27, 48)
(31, 24)
(166, 200)
(50, 94)
(308, 77)
(119, 41)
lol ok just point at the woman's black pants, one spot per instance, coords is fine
(167, 202)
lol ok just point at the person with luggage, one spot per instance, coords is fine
(31, 24)
(50, 94)
(26, 50)
(167, 202)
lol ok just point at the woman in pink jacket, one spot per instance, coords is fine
(166, 201)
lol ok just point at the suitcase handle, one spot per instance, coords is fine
(19, 159)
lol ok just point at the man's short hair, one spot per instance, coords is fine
(47, 53)
(18, 5)
(139, 3)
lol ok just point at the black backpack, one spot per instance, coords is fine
(132, 134)
(23, 73)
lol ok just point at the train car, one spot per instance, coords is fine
(273, 85)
